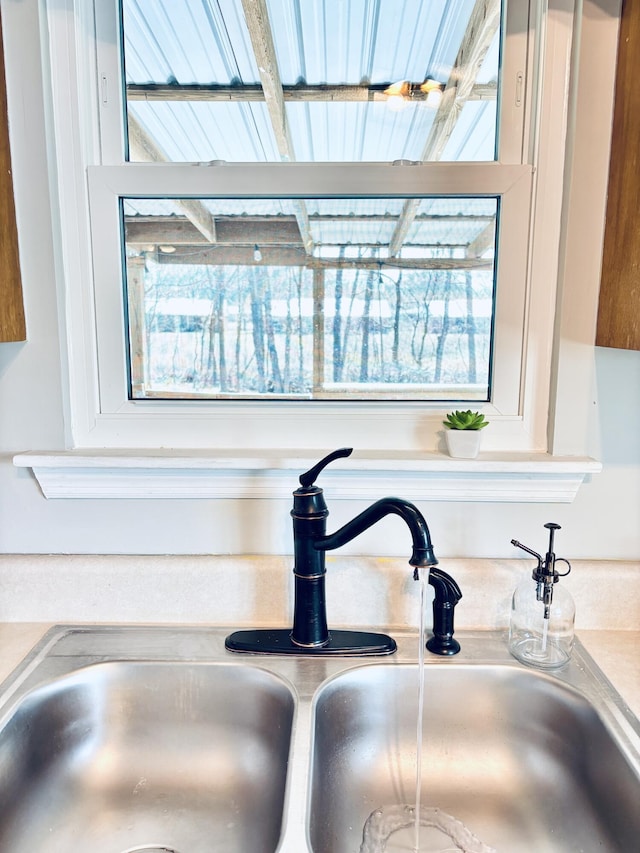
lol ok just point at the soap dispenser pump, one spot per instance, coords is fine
(541, 628)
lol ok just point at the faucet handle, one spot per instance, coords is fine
(447, 595)
(309, 477)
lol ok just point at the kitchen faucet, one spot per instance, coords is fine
(310, 634)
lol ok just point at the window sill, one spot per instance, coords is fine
(231, 474)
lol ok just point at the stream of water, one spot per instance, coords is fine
(421, 648)
(418, 828)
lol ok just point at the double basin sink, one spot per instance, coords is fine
(156, 739)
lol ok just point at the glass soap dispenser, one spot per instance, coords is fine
(542, 621)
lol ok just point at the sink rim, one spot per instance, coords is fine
(65, 648)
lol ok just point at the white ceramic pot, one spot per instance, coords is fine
(463, 443)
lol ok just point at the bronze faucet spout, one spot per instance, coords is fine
(422, 555)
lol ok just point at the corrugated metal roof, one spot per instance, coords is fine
(319, 47)
(317, 43)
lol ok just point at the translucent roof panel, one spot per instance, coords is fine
(350, 41)
(191, 131)
(311, 81)
(358, 227)
(187, 41)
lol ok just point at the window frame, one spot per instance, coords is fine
(101, 415)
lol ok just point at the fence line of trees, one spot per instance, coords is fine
(290, 330)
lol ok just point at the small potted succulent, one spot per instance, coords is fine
(462, 433)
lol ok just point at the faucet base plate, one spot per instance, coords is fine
(278, 641)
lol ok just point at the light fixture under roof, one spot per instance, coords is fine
(433, 89)
(257, 254)
(400, 93)
(397, 95)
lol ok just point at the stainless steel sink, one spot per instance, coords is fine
(521, 759)
(156, 756)
(157, 739)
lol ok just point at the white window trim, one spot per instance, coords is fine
(530, 478)
(99, 418)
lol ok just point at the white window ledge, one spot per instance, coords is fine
(527, 478)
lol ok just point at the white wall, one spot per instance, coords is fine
(602, 523)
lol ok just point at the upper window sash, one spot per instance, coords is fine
(516, 88)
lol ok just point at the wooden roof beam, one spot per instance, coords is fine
(482, 27)
(297, 257)
(161, 230)
(306, 93)
(484, 240)
(142, 147)
(257, 18)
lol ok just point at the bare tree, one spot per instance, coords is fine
(444, 331)
(257, 331)
(471, 327)
(337, 322)
(299, 282)
(275, 379)
(221, 329)
(348, 323)
(396, 319)
(366, 312)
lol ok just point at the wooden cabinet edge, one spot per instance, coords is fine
(618, 323)
(12, 319)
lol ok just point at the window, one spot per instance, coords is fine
(252, 314)
(304, 214)
(362, 298)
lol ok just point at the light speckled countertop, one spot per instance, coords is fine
(616, 652)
